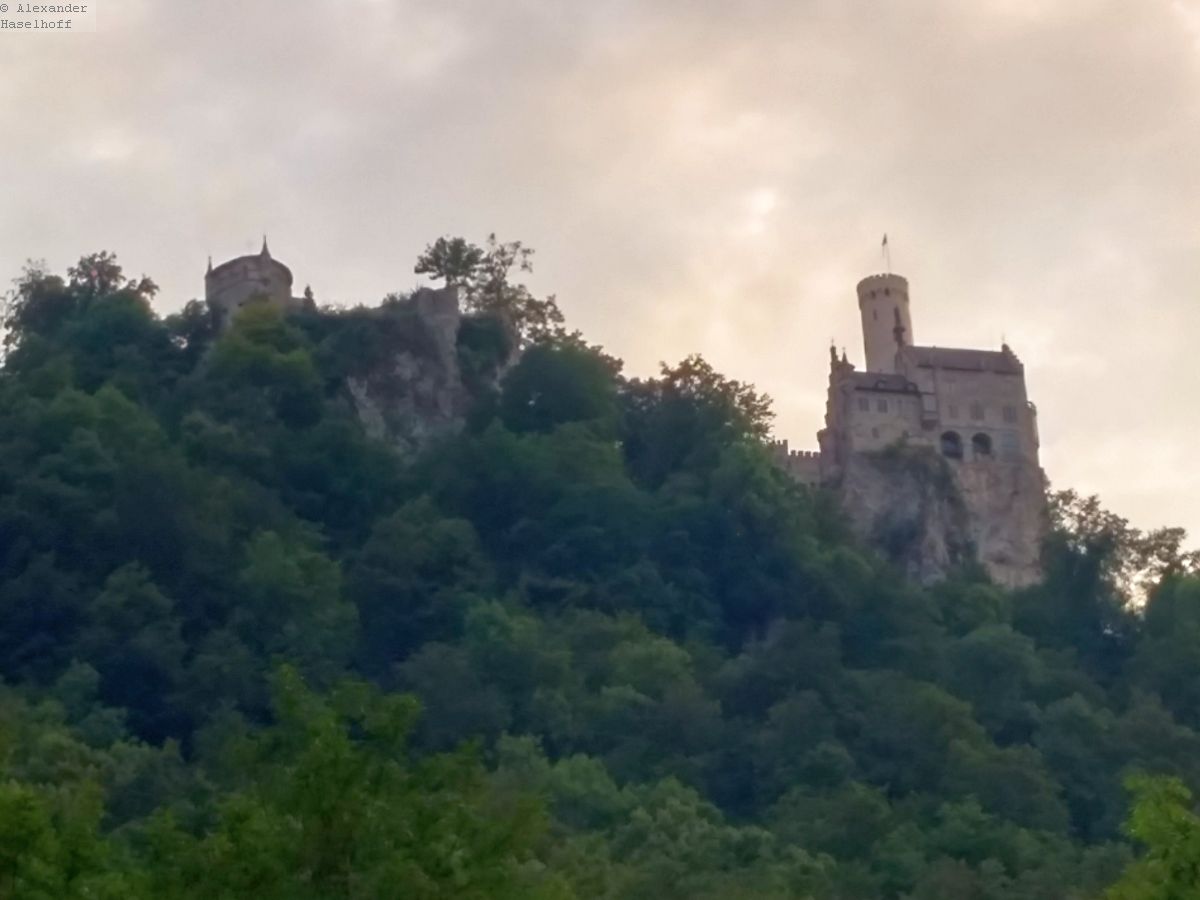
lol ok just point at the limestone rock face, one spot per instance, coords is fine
(930, 516)
(410, 388)
(1006, 505)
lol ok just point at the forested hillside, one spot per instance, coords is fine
(593, 646)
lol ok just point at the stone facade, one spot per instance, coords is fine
(967, 411)
(246, 279)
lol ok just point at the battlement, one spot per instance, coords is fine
(780, 448)
(883, 284)
(803, 465)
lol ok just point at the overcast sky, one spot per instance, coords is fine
(695, 177)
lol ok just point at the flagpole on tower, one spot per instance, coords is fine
(887, 254)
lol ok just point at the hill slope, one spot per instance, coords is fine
(679, 675)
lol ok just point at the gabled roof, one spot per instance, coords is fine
(255, 259)
(1003, 362)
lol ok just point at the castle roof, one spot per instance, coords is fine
(256, 259)
(1002, 362)
(881, 381)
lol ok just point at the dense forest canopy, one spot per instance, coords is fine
(595, 645)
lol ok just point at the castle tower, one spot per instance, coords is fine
(886, 321)
(234, 283)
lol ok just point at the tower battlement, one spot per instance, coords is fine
(885, 282)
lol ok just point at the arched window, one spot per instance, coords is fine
(981, 446)
(952, 447)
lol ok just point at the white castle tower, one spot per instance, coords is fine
(886, 321)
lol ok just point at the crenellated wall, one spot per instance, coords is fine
(803, 465)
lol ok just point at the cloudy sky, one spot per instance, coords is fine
(694, 175)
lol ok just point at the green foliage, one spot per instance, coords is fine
(557, 383)
(647, 664)
(330, 804)
(485, 276)
(1163, 821)
(687, 416)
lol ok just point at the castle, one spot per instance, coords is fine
(970, 408)
(256, 277)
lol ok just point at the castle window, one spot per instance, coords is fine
(981, 446)
(977, 412)
(881, 405)
(1010, 415)
(952, 447)
(864, 404)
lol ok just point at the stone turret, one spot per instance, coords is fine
(254, 278)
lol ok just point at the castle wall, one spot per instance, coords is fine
(876, 419)
(232, 285)
(803, 465)
(988, 403)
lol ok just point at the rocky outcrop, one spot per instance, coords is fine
(931, 516)
(407, 384)
(1006, 504)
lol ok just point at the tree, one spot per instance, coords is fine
(133, 639)
(411, 581)
(1093, 562)
(685, 417)
(485, 275)
(1125, 559)
(1162, 819)
(555, 383)
(451, 259)
(1167, 658)
(36, 300)
(333, 805)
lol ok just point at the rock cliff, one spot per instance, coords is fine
(931, 517)
(418, 365)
